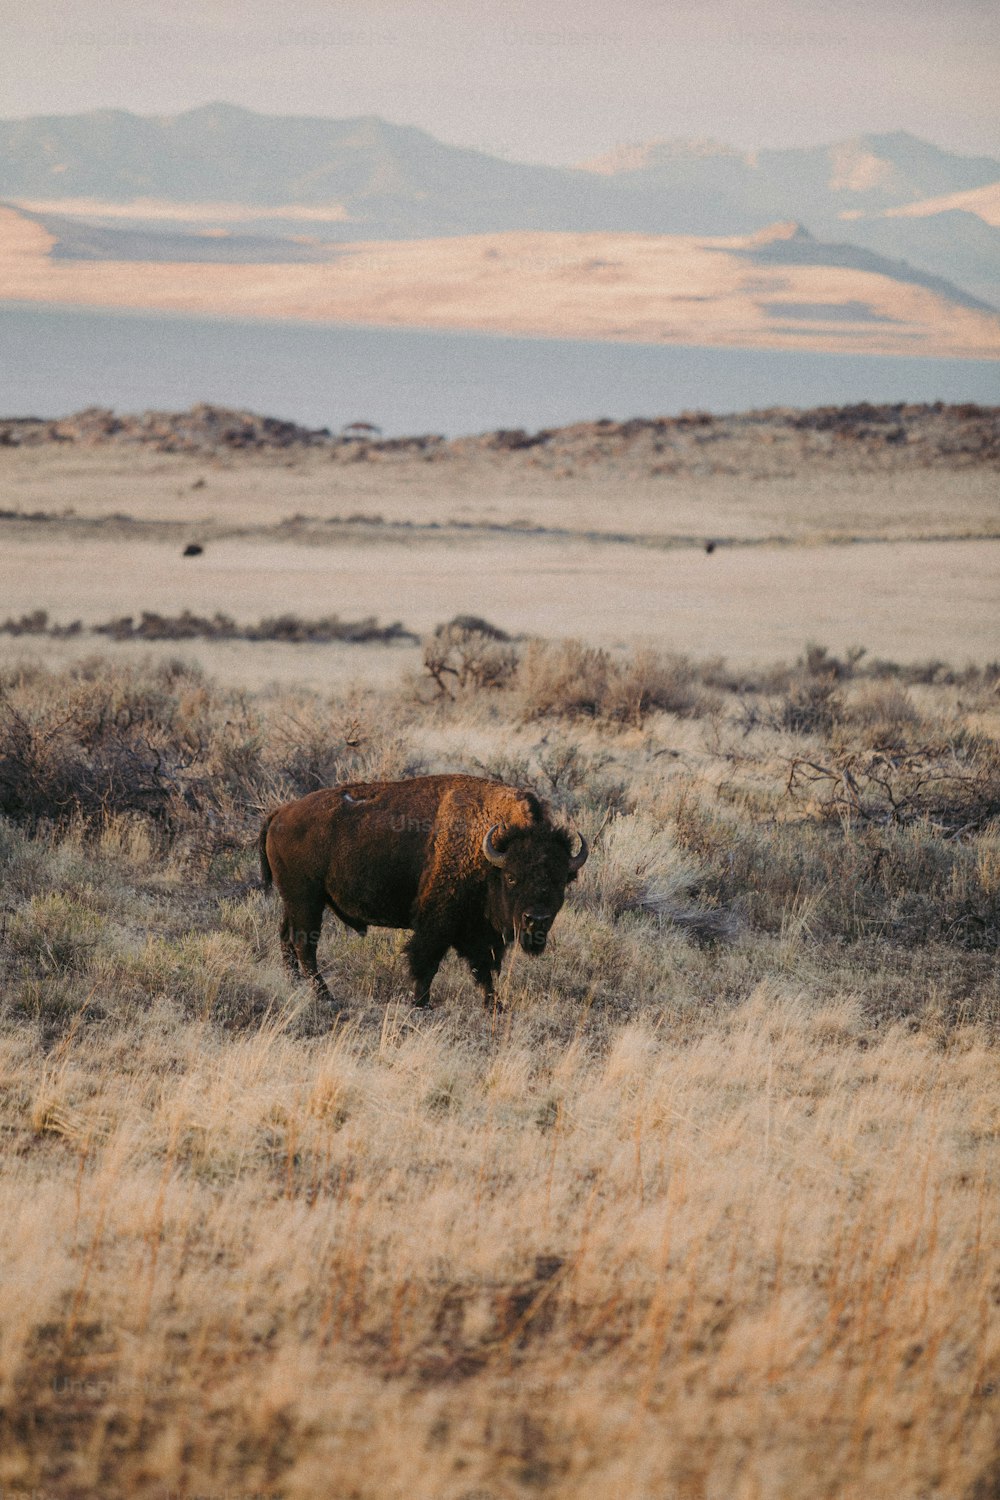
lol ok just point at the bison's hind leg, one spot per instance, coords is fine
(300, 931)
(288, 953)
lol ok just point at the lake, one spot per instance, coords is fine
(55, 361)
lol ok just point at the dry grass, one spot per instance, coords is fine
(708, 1212)
(426, 1261)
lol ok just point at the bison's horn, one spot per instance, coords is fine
(493, 855)
(580, 857)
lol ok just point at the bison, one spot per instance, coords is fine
(465, 863)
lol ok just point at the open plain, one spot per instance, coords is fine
(879, 529)
(707, 1211)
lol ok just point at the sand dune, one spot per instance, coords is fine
(629, 287)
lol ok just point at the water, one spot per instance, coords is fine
(53, 362)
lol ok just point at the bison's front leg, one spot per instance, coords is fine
(486, 979)
(425, 950)
(484, 956)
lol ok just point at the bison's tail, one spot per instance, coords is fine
(266, 878)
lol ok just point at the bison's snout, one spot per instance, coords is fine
(535, 930)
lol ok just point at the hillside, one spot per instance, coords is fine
(779, 290)
(758, 443)
(367, 179)
(380, 171)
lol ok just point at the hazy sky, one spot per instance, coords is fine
(557, 81)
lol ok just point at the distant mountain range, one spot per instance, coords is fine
(226, 171)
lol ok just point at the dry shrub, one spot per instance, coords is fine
(812, 705)
(953, 789)
(37, 623)
(885, 714)
(715, 672)
(579, 781)
(807, 694)
(293, 629)
(983, 678)
(653, 680)
(311, 749)
(188, 626)
(637, 866)
(202, 763)
(219, 627)
(819, 661)
(469, 655)
(311, 745)
(476, 625)
(570, 679)
(91, 758)
(566, 678)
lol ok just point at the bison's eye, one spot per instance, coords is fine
(511, 879)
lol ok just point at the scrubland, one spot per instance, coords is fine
(708, 1211)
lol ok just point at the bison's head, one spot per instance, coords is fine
(534, 866)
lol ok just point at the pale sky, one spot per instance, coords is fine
(557, 81)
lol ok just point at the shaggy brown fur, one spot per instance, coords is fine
(410, 854)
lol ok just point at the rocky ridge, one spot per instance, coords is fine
(898, 435)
